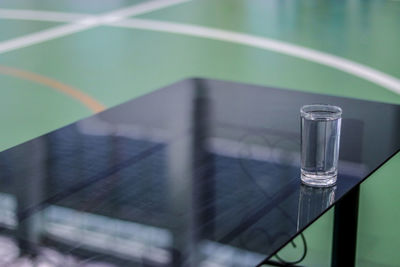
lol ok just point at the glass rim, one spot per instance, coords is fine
(321, 112)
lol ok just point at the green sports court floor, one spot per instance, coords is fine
(63, 60)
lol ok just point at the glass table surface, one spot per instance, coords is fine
(199, 173)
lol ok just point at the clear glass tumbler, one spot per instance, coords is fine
(320, 136)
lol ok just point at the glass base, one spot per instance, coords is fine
(318, 180)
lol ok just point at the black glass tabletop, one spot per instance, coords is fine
(200, 173)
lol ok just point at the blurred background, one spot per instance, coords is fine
(64, 60)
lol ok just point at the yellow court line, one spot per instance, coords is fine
(70, 91)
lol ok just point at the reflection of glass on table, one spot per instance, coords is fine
(312, 201)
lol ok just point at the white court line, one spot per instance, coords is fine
(339, 63)
(84, 24)
(39, 15)
(41, 36)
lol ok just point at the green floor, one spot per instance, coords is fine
(113, 64)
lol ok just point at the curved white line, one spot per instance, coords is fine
(80, 24)
(345, 65)
(39, 15)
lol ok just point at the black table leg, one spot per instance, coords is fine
(345, 230)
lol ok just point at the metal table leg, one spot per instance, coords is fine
(345, 230)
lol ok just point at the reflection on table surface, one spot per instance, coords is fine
(202, 173)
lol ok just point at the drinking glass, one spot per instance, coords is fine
(320, 136)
